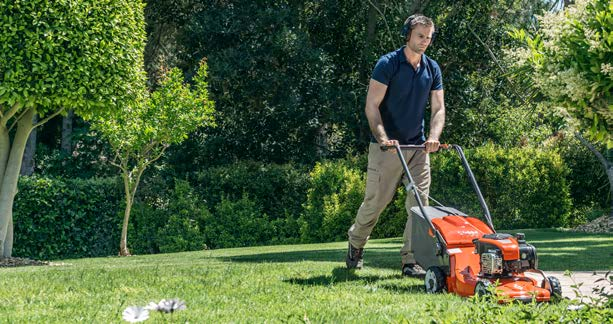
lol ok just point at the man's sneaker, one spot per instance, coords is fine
(412, 270)
(354, 257)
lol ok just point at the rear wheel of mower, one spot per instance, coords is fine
(482, 288)
(435, 280)
(556, 288)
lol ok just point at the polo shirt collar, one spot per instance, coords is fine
(403, 58)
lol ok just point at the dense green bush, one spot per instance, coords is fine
(589, 186)
(251, 203)
(237, 223)
(523, 188)
(170, 222)
(278, 190)
(58, 218)
(335, 193)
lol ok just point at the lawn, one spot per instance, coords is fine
(291, 283)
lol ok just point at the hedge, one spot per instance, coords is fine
(67, 218)
(252, 203)
(524, 188)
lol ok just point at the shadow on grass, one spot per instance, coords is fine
(341, 274)
(375, 257)
(557, 251)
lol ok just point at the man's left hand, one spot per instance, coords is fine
(432, 145)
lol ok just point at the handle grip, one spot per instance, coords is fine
(412, 147)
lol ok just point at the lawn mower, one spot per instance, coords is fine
(465, 256)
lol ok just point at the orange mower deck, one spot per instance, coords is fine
(466, 256)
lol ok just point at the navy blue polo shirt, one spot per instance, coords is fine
(408, 90)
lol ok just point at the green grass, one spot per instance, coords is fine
(297, 283)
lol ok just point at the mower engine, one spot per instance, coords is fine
(502, 255)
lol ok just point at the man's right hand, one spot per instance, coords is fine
(390, 142)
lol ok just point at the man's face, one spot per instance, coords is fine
(420, 39)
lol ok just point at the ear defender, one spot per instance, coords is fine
(406, 29)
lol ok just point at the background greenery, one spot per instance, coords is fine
(223, 206)
(286, 162)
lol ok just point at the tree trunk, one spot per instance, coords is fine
(66, 144)
(27, 166)
(371, 28)
(418, 6)
(8, 187)
(123, 243)
(608, 169)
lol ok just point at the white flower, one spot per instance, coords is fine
(167, 306)
(575, 307)
(607, 69)
(135, 314)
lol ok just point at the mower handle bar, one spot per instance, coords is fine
(413, 147)
(466, 166)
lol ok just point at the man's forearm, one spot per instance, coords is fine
(376, 124)
(437, 123)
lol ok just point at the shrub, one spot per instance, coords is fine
(524, 187)
(277, 190)
(186, 215)
(327, 199)
(589, 185)
(237, 223)
(335, 193)
(171, 222)
(67, 218)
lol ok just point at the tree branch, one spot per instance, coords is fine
(606, 164)
(17, 119)
(493, 56)
(49, 117)
(384, 20)
(10, 113)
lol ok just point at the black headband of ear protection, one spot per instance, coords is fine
(407, 27)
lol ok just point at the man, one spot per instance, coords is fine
(398, 92)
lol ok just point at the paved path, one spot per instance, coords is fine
(586, 277)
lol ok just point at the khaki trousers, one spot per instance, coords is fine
(383, 177)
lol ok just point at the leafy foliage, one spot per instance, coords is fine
(164, 117)
(278, 189)
(59, 55)
(173, 223)
(74, 218)
(238, 223)
(269, 83)
(140, 133)
(569, 60)
(84, 55)
(524, 188)
(87, 159)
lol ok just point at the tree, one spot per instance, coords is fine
(140, 133)
(570, 61)
(54, 55)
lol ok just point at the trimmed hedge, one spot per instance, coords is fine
(59, 218)
(524, 188)
(251, 203)
(278, 189)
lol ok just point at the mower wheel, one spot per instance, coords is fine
(556, 288)
(482, 288)
(435, 280)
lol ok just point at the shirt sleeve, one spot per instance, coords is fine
(437, 83)
(383, 71)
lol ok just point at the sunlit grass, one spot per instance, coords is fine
(289, 283)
